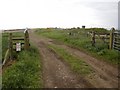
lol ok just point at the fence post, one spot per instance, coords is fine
(111, 38)
(11, 46)
(93, 38)
(26, 40)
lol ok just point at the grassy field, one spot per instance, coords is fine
(77, 65)
(80, 40)
(25, 72)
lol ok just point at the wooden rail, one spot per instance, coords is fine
(18, 38)
(14, 30)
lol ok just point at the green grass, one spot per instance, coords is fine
(25, 72)
(80, 40)
(76, 64)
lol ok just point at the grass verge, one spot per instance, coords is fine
(25, 73)
(76, 64)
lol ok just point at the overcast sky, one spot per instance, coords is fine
(58, 13)
(119, 15)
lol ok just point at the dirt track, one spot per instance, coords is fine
(56, 74)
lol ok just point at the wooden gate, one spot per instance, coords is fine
(113, 38)
(16, 44)
(116, 40)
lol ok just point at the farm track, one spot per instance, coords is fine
(57, 74)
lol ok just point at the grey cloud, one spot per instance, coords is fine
(106, 12)
(102, 6)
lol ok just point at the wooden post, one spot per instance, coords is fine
(26, 40)
(111, 38)
(6, 57)
(93, 38)
(10, 46)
